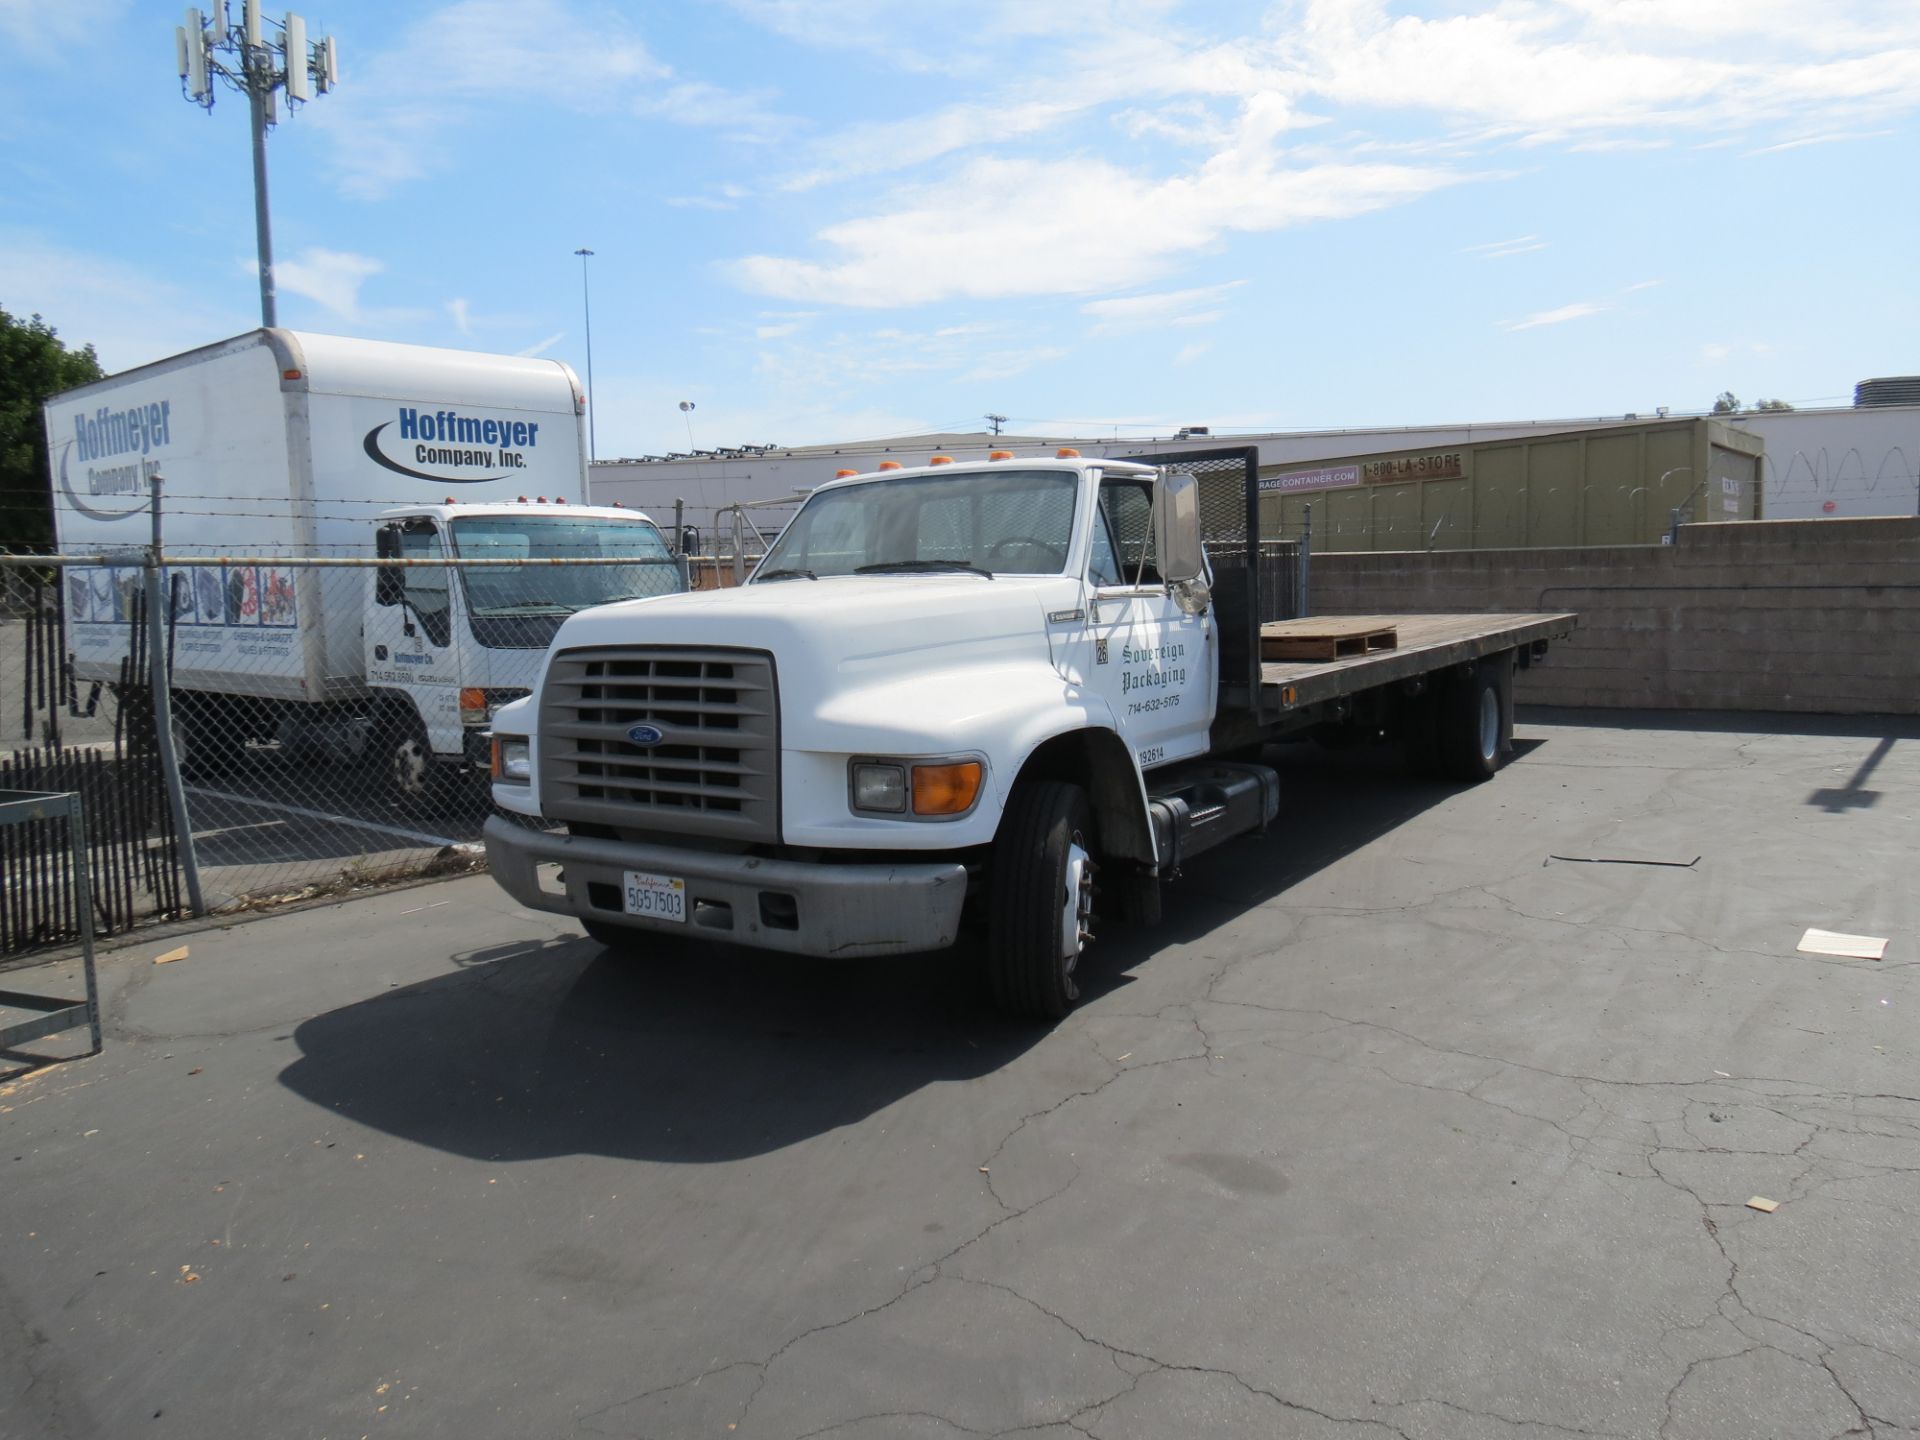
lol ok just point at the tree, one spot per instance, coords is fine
(34, 364)
(1728, 403)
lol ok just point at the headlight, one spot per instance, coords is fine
(881, 788)
(924, 789)
(512, 759)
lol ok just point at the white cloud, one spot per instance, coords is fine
(775, 332)
(1832, 138)
(1578, 310)
(461, 314)
(1638, 285)
(543, 346)
(1587, 74)
(478, 57)
(1168, 307)
(1187, 354)
(1502, 249)
(1028, 226)
(331, 278)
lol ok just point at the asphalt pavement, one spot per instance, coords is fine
(1398, 1126)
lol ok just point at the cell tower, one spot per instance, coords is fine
(261, 58)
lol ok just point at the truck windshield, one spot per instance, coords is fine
(560, 589)
(1002, 522)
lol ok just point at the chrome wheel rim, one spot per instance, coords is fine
(410, 764)
(1076, 906)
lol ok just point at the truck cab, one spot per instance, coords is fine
(445, 645)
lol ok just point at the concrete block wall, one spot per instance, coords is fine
(1803, 615)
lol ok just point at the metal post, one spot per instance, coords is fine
(83, 907)
(679, 526)
(257, 99)
(1306, 562)
(161, 684)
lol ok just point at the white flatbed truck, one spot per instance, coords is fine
(956, 693)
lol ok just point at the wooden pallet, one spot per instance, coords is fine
(1324, 639)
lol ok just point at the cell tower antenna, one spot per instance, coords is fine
(260, 58)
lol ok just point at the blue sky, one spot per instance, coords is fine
(831, 219)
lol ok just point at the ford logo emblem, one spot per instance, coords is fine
(645, 735)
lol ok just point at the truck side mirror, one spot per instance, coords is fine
(389, 582)
(1176, 528)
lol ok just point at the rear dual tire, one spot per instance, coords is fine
(1461, 731)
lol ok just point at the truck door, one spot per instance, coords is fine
(1154, 663)
(410, 629)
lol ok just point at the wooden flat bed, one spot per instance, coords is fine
(1426, 643)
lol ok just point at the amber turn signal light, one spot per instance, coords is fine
(946, 789)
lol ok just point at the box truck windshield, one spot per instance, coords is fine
(559, 589)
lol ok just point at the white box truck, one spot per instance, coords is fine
(963, 691)
(277, 445)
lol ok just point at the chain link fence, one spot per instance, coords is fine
(318, 724)
(254, 728)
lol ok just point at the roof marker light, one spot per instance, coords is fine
(559, 499)
(289, 374)
(452, 501)
(1066, 452)
(541, 501)
(941, 460)
(522, 499)
(842, 473)
(1001, 455)
(888, 465)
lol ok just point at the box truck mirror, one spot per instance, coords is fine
(389, 585)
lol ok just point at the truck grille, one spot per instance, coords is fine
(715, 770)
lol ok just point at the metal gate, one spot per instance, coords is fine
(98, 744)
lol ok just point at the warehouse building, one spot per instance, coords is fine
(1614, 480)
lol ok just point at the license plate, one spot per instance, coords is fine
(658, 897)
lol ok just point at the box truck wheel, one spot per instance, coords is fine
(208, 739)
(414, 777)
(1040, 909)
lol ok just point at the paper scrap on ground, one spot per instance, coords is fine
(1852, 947)
(1760, 1202)
(171, 956)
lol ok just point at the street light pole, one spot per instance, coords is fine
(586, 304)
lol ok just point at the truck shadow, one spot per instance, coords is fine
(699, 1055)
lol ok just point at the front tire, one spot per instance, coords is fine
(1041, 906)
